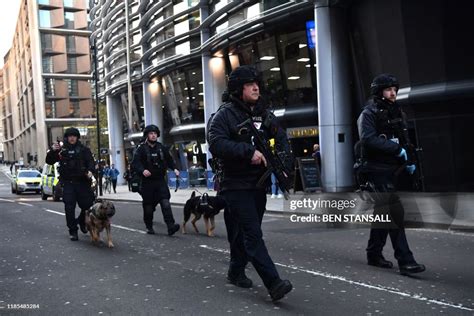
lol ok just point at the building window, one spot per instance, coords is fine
(183, 96)
(47, 64)
(69, 20)
(49, 90)
(44, 18)
(71, 65)
(71, 43)
(47, 41)
(286, 65)
(68, 3)
(73, 87)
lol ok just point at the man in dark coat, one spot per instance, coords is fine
(151, 160)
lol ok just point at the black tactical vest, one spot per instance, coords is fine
(72, 162)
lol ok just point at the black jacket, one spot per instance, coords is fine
(77, 170)
(235, 150)
(378, 135)
(141, 161)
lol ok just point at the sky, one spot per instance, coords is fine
(8, 16)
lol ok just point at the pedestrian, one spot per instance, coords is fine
(11, 167)
(76, 166)
(128, 177)
(242, 167)
(382, 153)
(317, 155)
(113, 174)
(151, 160)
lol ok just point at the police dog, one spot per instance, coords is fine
(98, 218)
(205, 206)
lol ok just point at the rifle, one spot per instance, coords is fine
(274, 163)
(415, 154)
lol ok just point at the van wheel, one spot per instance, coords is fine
(44, 197)
(56, 197)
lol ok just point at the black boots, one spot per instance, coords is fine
(380, 262)
(279, 289)
(167, 216)
(408, 269)
(73, 236)
(240, 280)
(173, 228)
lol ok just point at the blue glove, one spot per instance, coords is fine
(411, 169)
(403, 153)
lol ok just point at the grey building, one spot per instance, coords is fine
(46, 79)
(317, 59)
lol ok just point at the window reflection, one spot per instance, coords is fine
(286, 66)
(183, 97)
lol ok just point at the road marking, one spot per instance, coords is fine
(129, 229)
(113, 225)
(27, 204)
(358, 283)
(53, 211)
(5, 200)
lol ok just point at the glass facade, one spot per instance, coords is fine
(182, 96)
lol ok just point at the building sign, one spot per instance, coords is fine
(309, 131)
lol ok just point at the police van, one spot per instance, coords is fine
(50, 185)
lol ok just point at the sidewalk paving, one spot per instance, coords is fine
(453, 210)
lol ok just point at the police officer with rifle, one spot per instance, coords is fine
(76, 166)
(150, 161)
(385, 150)
(244, 176)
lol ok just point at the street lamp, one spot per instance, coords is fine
(98, 188)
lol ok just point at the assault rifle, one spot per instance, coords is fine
(415, 154)
(274, 162)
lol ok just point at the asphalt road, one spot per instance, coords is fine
(185, 274)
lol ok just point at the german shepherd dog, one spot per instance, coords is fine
(205, 206)
(98, 218)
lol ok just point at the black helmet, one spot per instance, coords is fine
(151, 128)
(240, 76)
(381, 82)
(72, 131)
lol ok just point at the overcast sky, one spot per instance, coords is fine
(8, 15)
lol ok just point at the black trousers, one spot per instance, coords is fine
(243, 219)
(154, 192)
(76, 192)
(388, 202)
(114, 185)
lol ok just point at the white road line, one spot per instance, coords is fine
(27, 204)
(5, 200)
(129, 229)
(358, 283)
(113, 225)
(53, 211)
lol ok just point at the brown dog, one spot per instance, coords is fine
(98, 218)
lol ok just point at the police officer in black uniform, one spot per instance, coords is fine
(242, 167)
(76, 166)
(382, 154)
(151, 160)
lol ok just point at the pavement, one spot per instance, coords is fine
(445, 210)
(451, 210)
(185, 274)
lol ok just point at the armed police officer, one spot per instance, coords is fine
(76, 166)
(151, 160)
(242, 166)
(383, 154)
